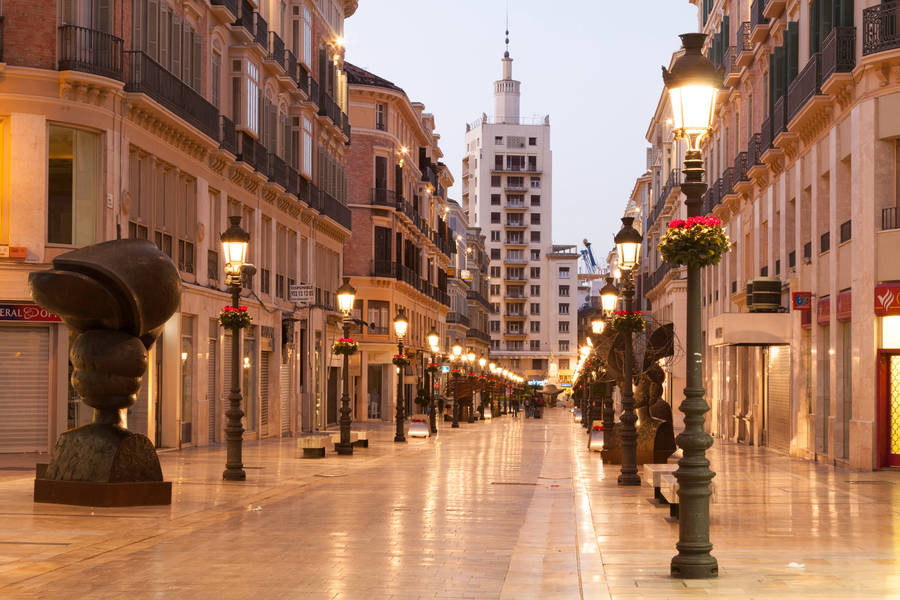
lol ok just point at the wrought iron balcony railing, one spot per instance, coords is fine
(880, 28)
(276, 49)
(743, 38)
(261, 32)
(89, 51)
(805, 86)
(227, 135)
(145, 75)
(839, 52)
(231, 5)
(757, 8)
(245, 19)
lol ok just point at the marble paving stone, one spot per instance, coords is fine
(501, 509)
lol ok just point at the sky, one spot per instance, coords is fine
(592, 65)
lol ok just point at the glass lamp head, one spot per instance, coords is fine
(346, 294)
(401, 324)
(628, 244)
(692, 84)
(470, 357)
(433, 338)
(457, 351)
(597, 325)
(482, 361)
(235, 242)
(609, 295)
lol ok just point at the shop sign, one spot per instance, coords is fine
(887, 299)
(801, 300)
(844, 306)
(26, 312)
(823, 310)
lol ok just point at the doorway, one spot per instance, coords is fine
(889, 409)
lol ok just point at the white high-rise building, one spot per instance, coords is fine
(507, 192)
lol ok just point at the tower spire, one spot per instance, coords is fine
(506, 54)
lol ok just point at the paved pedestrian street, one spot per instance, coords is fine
(499, 509)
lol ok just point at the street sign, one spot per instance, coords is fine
(301, 292)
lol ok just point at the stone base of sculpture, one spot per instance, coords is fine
(655, 442)
(103, 465)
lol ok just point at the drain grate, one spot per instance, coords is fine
(859, 482)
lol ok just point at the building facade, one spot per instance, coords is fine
(507, 192)
(802, 166)
(401, 249)
(158, 120)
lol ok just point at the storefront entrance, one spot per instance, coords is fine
(889, 409)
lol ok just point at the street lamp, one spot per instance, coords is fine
(628, 244)
(597, 324)
(401, 324)
(471, 358)
(235, 243)
(482, 361)
(433, 338)
(346, 294)
(609, 296)
(586, 396)
(693, 84)
(457, 357)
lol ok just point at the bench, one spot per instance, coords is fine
(669, 492)
(653, 474)
(313, 446)
(362, 439)
(419, 428)
(595, 441)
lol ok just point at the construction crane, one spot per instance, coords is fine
(590, 265)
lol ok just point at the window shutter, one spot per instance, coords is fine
(323, 66)
(175, 36)
(105, 16)
(185, 53)
(138, 19)
(68, 12)
(815, 27)
(195, 62)
(792, 47)
(778, 74)
(153, 29)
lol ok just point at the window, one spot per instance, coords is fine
(378, 314)
(563, 308)
(535, 290)
(825, 242)
(535, 308)
(495, 271)
(535, 200)
(495, 217)
(381, 117)
(564, 272)
(564, 327)
(495, 199)
(535, 218)
(845, 231)
(564, 364)
(535, 236)
(563, 347)
(251, 110)
(307, 38)
(215, 91)
(535, 183)
(535, 272)
(564, 290)
(535, 345)
(495, 307)
(495, 236)
(535, 327)
(532, 141)
(495, 181)
(307, 147)
(495, 253)
(498, 140)
(186, 207)
(495, 289)
(74, 187)
(535, 254)
(495, 326)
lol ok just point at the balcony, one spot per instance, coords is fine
(838, 52)
(517, 260)
(732, 70)
(516, 206)
(245, 20)
(740, 171)
(277, 170)
(386, 197)
(515, 297)
(478, 297)
(303, 78)
(516, 241)
(146, 76)
(779, 117)
(254, 154)
(805, 86)
(880, 28)
(457, 318)
(261, 32)
(516, 168)
(889, 218)
(514, 278)
(314, 91)
(276, 49)
(515, 187)
(515, 224)
(88, 51)
(759, 24)
(227, 135)
(744, 45)
(231, 6)
(478, 335)
(765, 137)
(335, 210)
(773, 8)
(754, 151)
(655, 278)
(384, 268)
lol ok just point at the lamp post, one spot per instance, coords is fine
(470, 357)
(482, 382)
(433, 339)
(693, 83)
(585, 352)
(609, 296)
(457, 357)
(235, 242)
(346, 294)
(400, 327)
(628, 244)
(490, 388)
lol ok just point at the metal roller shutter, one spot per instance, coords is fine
(25, 389)
(285, 382)
(264, 393)
(778, 397)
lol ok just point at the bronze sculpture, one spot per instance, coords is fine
(116, 296)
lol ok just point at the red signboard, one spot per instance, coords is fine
(823, 310)
(801, 300)
(26, 312)
(887, 299)
(844, 306)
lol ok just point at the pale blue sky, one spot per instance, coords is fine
(592, 65)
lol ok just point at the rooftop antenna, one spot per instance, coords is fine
(506, 54)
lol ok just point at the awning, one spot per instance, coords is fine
(749, 329)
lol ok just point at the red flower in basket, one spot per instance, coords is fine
(598, 427)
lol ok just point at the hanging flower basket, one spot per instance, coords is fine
(231, 317)
(345, 346)
(625, 321)
(432, 368)
(695, 242)
(598, 427)
(400, 360)
(456, 372)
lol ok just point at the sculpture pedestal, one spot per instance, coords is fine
(103, 465)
